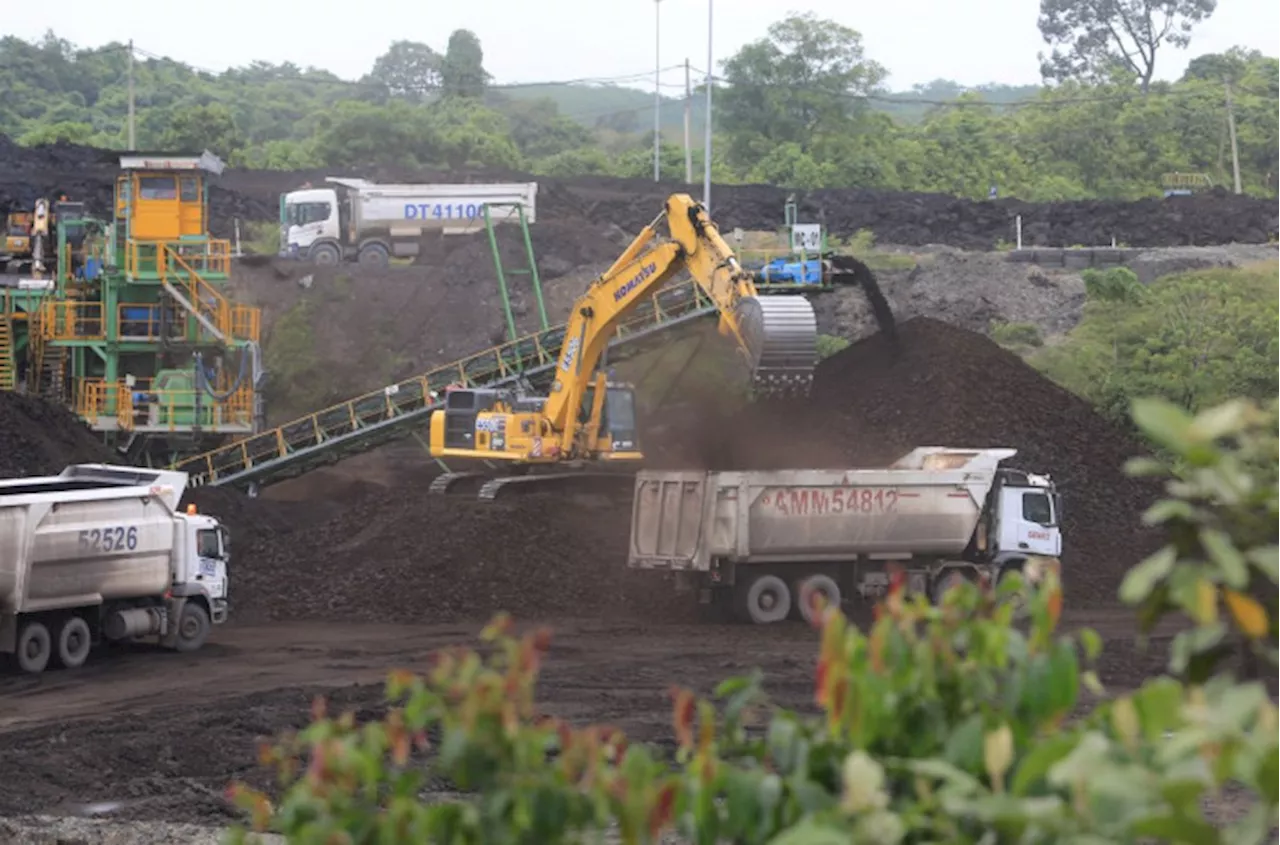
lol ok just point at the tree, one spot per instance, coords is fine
(1095, 38)
(208, 127)
(539, 129)
(408, 69)
(804, 80)
(462, 72)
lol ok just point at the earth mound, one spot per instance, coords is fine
(38, 438)
(403, 557)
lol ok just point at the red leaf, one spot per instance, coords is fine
(663, 810)
(820, 683)
(682, 716)
(1055, 606)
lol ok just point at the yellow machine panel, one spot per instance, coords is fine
(163, 206)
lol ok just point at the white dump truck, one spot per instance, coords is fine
(100, 553)
(765, 539)
(358, 220)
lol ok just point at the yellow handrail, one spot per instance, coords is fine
(70, 319)
(171, 409)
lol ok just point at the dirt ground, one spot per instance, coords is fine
(161, 734)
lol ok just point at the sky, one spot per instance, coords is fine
(559, 40)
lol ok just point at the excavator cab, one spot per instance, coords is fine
(617, 435)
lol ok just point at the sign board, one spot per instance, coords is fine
(806, 237)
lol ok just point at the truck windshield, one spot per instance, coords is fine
(1035, 508)
(303, 213)
(207, 543)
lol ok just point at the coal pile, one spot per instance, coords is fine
(943, 386)
(403, 557)
(895, 217)
(38, 438)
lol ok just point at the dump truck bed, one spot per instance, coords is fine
(92, 534)
(926, 503)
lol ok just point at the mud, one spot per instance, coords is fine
(901, 218)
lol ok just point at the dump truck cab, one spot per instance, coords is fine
(1026, 515)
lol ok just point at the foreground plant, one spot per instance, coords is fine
(1221, 564)
(956, 723)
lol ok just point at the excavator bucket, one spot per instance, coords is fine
(781, 335)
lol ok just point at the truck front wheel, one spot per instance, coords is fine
(74, 642)
(193, 627)
(763, 599)
(34, 647)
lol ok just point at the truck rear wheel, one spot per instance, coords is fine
(374, 255)
(34, 647)
(325, 254)
(74, 642)
(193, 627)
(764, 599)
(810, 588)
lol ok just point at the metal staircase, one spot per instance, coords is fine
(8, 364)
(530, 270)
(366, 422)
(46, 364)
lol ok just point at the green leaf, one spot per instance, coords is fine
(1228, 558)
(781, 741)
(964, 746)
(1221, 420)
(1166, 510)
(1092, 643)
(1036, 764)
(811, 832)
(1165, 423)
(1266, 558)
(1267, 780)
(1171, 828)
(769, 792)
(1082, 762)
(1141, 580)
(1159, 704)
(947, 773)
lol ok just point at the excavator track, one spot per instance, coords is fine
(781, 334)
(489, 487)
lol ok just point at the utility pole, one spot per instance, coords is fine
(133, 138)
(706, 165)
(688, 123)
(657, 90)
(1231, 128)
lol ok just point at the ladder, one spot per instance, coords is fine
(46, 365)
(53, 370)
(531, 270)
(8, 366)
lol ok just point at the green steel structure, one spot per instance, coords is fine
(130, 326)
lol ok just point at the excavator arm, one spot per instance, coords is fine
(777, 335)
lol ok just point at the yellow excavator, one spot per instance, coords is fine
(589, 421)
